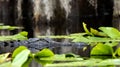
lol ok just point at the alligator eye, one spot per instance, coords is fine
(5, 44)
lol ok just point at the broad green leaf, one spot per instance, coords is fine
(111, 32)
(19, 37)
(29, 60)
(99, 39)
(24, 33)
(6, 64)
(27, 63)
(18, 50)
(21, 58)
(91, 39)
(44, 53)
(96, 32)
(3, 57)
(101, 49)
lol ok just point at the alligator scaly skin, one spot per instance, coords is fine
(36, 44)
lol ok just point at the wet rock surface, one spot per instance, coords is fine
(36, 44)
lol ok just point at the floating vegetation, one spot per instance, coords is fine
(7, 27)
(19, 36)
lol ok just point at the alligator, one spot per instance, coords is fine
(37, 44)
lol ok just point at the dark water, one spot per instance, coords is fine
(55, 17)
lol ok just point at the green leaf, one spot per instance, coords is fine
(86, 30)
(112, 43)
(96, 32)
(117, 52)
(44, 53)
(19, 37)
(91, 39)
(18, 50)
(81, 39)
(4, 27)
(111, 32)
(101, 49)
(6, 64)
(109, 62)
(29, 60)
(24, 33)
(27, 63)
(98, 39)
(21, 58)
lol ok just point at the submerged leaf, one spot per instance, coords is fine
(62, 58)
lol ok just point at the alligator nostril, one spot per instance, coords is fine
(12, 45)
(11, 42)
